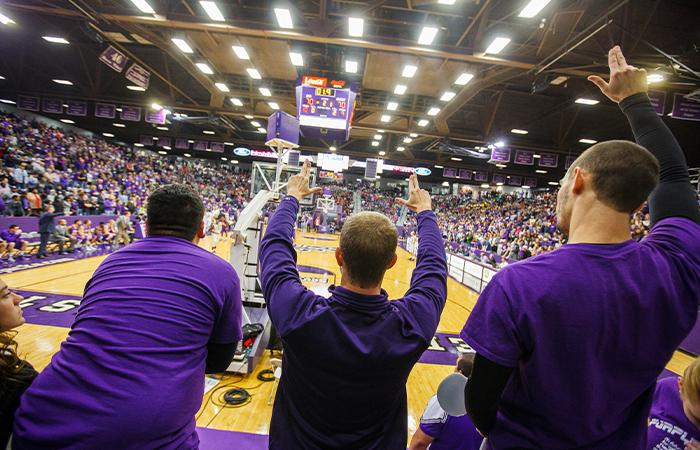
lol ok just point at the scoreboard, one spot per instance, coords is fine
(325, 112)
(324, 107)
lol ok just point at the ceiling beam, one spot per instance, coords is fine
(161, 22)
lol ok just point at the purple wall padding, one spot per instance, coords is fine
(30, 224)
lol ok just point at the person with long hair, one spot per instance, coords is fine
(15, 374)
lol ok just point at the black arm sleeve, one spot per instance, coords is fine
(483, 391)
(674, 196)
(219, 357)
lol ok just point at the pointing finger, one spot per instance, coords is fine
(621, 61)
(612, 61)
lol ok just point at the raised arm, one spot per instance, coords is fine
(428, 291)
(674, 196)
(279, 277)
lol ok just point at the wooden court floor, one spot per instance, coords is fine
(38, 343)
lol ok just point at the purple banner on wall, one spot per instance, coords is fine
(658, 101)
(499, 178)
(501, 155)
(549, 160)
(138, 75)
(182, 144)
(569, 161)
(200, 145)
(156, 117)
(146, 140)
(115, 59)
(163, 141)
(52, 105)
(530, 181)
(76, 108)
(217, 147)
(465, 174)
(515, 180)
(449, 172)
(525, 158)
(105, 110)
(131, 113)
(685, 109)
(29, 103)
(481, 176)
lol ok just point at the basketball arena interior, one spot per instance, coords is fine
(343, 224)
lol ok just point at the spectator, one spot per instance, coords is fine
(440, 431)
(63, 237)
(15, 207)
(122, 358)
(15, 374)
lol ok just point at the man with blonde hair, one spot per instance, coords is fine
(347, 356)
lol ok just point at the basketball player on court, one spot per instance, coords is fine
(570, 343)
(347, 357)
(155, 316)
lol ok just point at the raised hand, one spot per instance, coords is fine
(298, 185)
(625, 80)
(418, 199)
(692, 445)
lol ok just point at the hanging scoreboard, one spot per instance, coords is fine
(324, 112)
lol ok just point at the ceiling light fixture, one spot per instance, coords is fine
(464, 78)
(67, 121)
(253, 73)
(433, 111)
(587, 141)
(236, 102)
(351, 66)
(284, 18)
(518, 131)
(212, 11)
(533, 8)
(240, 52)
(182, 45)
(133, 87)
(356, 26)
(447, 96)
(55, 40)
(222, 87)
(400, 89)
(64, 82)
(427, 35)
(143, 6)
(586, 101)
(391, 106)
(273, 105)
(409, 70)
(265, 91)
(423, 122)
(296, 58)
(385, 118)
(497, 45)
(204, 68)
(208, 132)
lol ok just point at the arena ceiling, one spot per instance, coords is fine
(531, 85)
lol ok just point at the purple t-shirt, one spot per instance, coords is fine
(587, 329)
(448, 432)
(347, 357)
(669, 427)
(131, 373)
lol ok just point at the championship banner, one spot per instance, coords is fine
(182, 144)
(157, 117)
(115, 59)
(29, 103)
(449, 172)
(500, 155)
(131, 113)
(328, 174)
(549, 160)
(658, 101)
(569, 161)
(138, 75)
(76, 108)
(464, 174)
(524, 158)
(515, 180)
(52, 105)
(217, 147)
(684, 108)
(163, 141)
(201, 146)
(499, 178)
(105, 110)
(530, 182)
(481, 176)
(146, 140)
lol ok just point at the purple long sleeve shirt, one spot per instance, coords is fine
(347, 357)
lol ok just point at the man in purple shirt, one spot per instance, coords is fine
(441, 431)
(570, 343)
(154, 318)
(347, 357)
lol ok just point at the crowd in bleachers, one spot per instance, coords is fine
(83, 176)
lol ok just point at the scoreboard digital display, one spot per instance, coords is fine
(324, 108)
